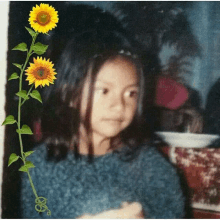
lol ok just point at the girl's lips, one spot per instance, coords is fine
(114, 119)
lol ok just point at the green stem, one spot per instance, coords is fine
(19, 102)
(27, 95)
(40, 206)
(32, 185)
(19, 111)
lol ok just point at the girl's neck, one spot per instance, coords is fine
(100, 146)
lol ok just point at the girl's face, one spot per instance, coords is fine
(115, 98)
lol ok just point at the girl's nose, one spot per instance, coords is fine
(117, 102)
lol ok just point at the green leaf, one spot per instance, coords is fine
(40, 48)
(23, 168)
(24, 130)
(22, 94)
(36, 95)
(29, 164)
(21, 47)
(39, 52)
(13, 76)
(9, 120)
(28, 153)
(17, 65)
(13, 157)
(31, 32)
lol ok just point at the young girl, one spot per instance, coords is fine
(94, 162)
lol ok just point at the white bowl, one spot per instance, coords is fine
(187, 140)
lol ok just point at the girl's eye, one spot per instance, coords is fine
(132, 94)
(102, 91)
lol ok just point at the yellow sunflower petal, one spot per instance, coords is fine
(40, 72)
(43, 18)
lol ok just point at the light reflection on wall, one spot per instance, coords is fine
(4, 6)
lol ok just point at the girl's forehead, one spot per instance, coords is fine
(118, 69)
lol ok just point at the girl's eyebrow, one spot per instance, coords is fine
(98, 80)
(109, 83)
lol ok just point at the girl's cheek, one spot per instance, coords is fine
(132, 104)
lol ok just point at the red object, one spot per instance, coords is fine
(164, 150)
(170, 94)
(37, 130)
(201, 214)
(201, 168)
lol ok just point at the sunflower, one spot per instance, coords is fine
(40, 72)
(43, 18)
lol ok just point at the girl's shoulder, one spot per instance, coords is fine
(150, 159)
(39, 153)
(38, 157)
(146, 155)
(149, 152)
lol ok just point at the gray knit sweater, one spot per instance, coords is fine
(75, 187)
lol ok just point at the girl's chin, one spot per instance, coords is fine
(107, 133)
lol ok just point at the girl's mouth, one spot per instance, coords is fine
(114, 119)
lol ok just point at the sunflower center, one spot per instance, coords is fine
(43, 18)
(41, 73)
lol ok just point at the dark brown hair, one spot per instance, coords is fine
(86, 53)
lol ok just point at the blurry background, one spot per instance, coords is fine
(199, 18)
(182, 37)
